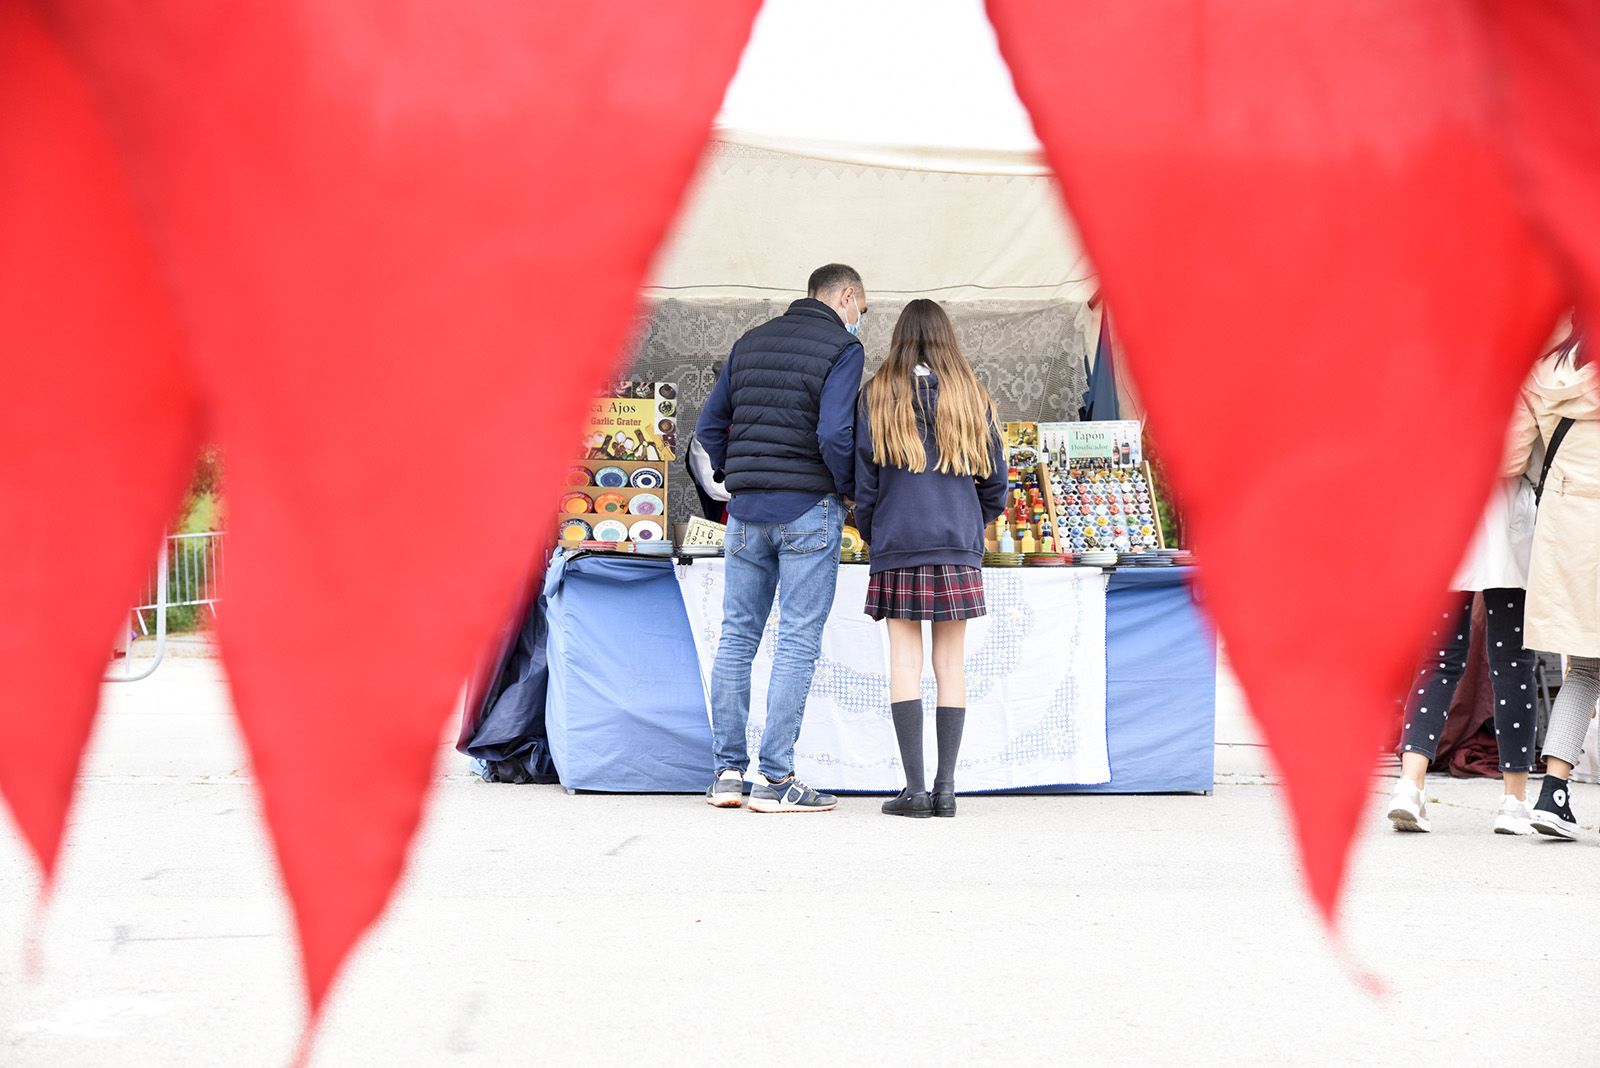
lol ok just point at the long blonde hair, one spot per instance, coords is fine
(895, 395)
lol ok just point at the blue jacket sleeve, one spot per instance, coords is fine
(836, 424)
(866, 476)
(711, 429)
(992, 490)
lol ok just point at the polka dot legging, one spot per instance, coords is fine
(1511, 678)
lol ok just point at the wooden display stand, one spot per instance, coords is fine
(645, 417)
(1111, 446)
(1155, 509)
(628, 493)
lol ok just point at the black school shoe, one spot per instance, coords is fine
(1553, 814)
(944, 803)
(919, 806)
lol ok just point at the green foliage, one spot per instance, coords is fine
(1166, 506)
(203, 512)
(207, 473)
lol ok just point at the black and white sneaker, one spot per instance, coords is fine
(790, 795)
(1553, 814)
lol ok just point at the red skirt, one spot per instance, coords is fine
(940, 592)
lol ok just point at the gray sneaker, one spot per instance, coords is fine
(727, 790)
(790, 795)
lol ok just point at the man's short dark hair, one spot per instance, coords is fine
(831, 276)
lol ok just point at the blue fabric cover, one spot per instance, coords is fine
(626, 711)
(1161, 685)
(1100, 399)
(505, 735)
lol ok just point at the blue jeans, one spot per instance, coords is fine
(801, 558)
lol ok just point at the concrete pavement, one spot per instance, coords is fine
(534, 926)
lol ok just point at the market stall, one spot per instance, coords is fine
(1084, 679)
(606, 686)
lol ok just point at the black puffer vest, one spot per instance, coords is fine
(775, 376)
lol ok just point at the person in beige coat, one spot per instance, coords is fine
(1563, 602)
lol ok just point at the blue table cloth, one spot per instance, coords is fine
(1161, 685)
(624, 710)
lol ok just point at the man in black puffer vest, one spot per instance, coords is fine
(779, 428)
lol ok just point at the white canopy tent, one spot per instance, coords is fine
(951, 224)
(844, 138)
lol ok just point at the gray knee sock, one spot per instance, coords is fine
(947, 723)
(908, 732)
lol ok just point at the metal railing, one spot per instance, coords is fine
(193, 568)
(188, 573)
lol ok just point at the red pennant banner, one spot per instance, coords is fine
(99, 425)
(1544, 69)
(401, 244)
(1325, 284)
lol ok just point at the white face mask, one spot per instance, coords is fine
(855, 327)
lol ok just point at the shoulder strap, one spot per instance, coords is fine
(1550, 455)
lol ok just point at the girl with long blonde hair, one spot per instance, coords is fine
(930, 475)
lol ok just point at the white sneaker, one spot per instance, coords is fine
(1408, 809)
(1514, 817)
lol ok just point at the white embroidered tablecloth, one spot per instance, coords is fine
(1036, 682)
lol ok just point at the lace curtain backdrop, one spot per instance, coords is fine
(1029, 354)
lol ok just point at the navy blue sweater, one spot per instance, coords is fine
(925, 518)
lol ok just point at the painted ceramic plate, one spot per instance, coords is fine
(575, 530)
(646, 478)
(645, 504)
(577, 503)
(611, 504)
(580, 476)
(611, 477)
(610, 530)
(645, 530)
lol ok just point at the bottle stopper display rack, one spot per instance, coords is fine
(616, 496)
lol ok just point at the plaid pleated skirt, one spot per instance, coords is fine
(939, 592)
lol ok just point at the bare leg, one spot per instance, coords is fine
(905, 660)
(1414, 768)
(949, 662)
(1517, 784)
